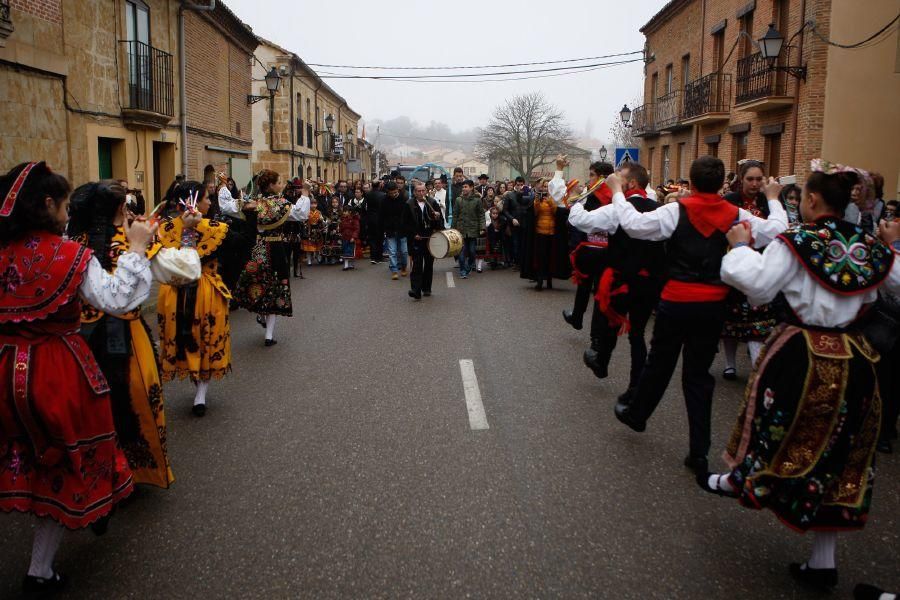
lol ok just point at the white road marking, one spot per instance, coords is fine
(477, 417)
(450, 282)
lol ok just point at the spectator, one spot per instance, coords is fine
(468, 219)
(390, 213)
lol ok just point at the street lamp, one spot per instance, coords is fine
(625, 115)
(770, 47)
(329, 122)
(273, 80)
(603, 153)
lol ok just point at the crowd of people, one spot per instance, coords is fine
(805, 276)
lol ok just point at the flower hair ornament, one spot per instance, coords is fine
(9, 202)
(820, 165)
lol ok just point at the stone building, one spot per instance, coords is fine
(218, 56)
(307, 129)
(707, 89)
(90, 86)
(579, 165)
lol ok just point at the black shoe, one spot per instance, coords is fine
(625, 397)
(823, 580)
(625, 415)
(549, 284)
(270, 342)
(591, 361)
(568, 318)
(101, 525)
(415, 295)
(697, 464)
(540, 286)
(374, 262)
(703, 482)
(426, 293)
(729, 374)
(885, 447)
(261, 320)
(38, 587)
(199, 410)
(864, 591)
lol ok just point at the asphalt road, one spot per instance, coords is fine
(340, 463)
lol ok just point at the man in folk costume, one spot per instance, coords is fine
(691, 310)
(804, 444)
(420, 218)
(589, 255)
(628, 290)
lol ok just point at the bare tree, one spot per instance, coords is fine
(526, 132)
(623, 137)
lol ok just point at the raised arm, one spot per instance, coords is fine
(228, 204)
(604, 218)
(300, 210)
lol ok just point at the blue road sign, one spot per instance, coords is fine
(624, 155)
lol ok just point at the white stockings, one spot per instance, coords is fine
(47, 537)
(200, 397)
(270, 327)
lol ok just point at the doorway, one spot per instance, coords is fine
(163, 169)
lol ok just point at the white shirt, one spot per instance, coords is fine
(600, 220)
(440, 196)
(660, 224)
(762, 276)
(228, 204)
(557, 188)
(300, 212)
(651, 193)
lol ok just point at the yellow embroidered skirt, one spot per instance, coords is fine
(201, 347)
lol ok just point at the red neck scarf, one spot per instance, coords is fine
(636, 192)
(603, 194)
(709, 212)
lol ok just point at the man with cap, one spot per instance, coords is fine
(481, 188)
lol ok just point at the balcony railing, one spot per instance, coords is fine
(709, 94)
(668, 110)
(643, 120)
(756, 80)
(150, 87)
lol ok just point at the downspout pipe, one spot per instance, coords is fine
(182, 76)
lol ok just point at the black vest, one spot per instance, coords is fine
(629, 256)
(692, 257)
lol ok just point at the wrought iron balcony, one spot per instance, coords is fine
(707, 99)
(150, 98)
(668, 111)
(643, 121)
(6, 25)
(759, 87)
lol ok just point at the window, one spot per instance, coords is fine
(740, 147)
(719, 50)
(745, 45)
(713, 149)
(773, 154)
(110, 158)
(781, 15)
(651, 153)
(137, 21)
(669, 74)
(309, 171)
(685, 70)
(654, 87)
(679, 157)
(665, 165)
(299, 132)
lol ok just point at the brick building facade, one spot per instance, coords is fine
(708, 91)
(219, 51)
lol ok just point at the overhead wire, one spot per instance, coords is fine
(574, 68)
(860, 44)
(450, 68)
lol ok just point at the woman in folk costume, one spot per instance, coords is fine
(804, 444)
(194, 332)
(744, 321)
(121, 344)
(239, 214)
(545, 233)
(265, 285)
(59, 459)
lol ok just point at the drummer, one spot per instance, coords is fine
(420, 218)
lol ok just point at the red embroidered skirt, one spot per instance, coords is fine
(59, 456)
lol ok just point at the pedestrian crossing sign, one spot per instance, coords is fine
(626, 155)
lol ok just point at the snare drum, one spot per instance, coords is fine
(446, 243)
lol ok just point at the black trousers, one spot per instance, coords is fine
(889, 386)
(640, 304)
(692, 330)
(582, 297)
(422, 266)
(376, 242)
(543, 246)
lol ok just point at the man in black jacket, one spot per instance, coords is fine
(456, 187)
(515, 207)
(373, 200)
(390, 216)
(421, 217)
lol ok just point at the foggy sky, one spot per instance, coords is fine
(463, 32)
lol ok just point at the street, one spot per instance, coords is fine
(341, 463)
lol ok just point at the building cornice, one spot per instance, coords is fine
(668, 11)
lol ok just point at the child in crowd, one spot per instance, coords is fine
(332, 233)
(313, 233)
(349, 229)
(496, 230)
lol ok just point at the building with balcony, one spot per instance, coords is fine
(91, 87)
(708, 90)
(305, 129)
